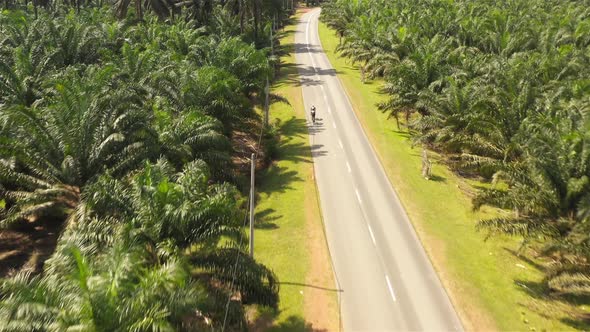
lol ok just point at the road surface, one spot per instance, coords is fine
(386, 279)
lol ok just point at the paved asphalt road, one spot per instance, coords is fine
(386, 279)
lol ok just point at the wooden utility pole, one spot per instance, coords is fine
(267, 87)
(272, 51)
(252, 169)
(266, 103)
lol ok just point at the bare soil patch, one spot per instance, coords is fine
(26, 246)
(243, 144)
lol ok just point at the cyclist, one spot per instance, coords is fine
(313, 114)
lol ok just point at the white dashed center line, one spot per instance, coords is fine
(358, 196)
(390, 288)
(372, 236)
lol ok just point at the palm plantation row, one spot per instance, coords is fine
(121, 130)
(501, 89)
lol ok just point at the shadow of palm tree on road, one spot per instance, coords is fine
(310, 286)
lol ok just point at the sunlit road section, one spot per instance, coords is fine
(386, 279)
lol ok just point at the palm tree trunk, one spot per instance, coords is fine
(138, 10)
(363, 74)
(255, 12)
(242, 11)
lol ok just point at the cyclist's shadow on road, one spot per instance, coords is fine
(316, 128)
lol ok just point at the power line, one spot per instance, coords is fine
(234, 270)
(250, 205)
(250, 198)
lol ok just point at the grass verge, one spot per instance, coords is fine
(490, 285)
(289, 234)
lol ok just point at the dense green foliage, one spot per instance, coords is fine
(121, 130)
(501, 88)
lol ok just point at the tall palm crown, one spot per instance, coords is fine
(65, 140)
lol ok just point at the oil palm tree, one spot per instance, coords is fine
(249, 65)
(120, 291)
(192, 135)
(22, 74)
(66, 140)
(358, 45)
(161, 8)
(74, 42)
(338, 15)
(549, 184)
(424, 69)
(212, 91)
(453, 119)
(180, 214)
(143, 254)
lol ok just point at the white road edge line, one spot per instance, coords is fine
(390, 288)
(348, 166)
(340, 142)
(372, 236)
(326, 99)
(334, 124)
(358, 196)
(307, 41)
